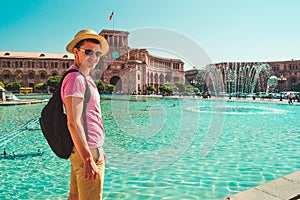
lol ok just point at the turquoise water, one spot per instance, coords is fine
(160, 149)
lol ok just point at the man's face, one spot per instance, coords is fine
(88, 54)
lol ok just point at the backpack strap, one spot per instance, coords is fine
(87, 97)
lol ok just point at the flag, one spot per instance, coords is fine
(111, 15)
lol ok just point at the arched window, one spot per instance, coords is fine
(31, 75)
(6, 75)
(43, 75)
(161, 79)
(155, 78)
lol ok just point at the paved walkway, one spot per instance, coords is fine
(286, 187)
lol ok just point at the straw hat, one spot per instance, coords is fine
(88, 34)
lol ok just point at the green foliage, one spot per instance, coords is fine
(110, 88)
(40, 86)
(13, 86)
(174, 87)
(180, 86)
(151, 88)
(166, 89)
(196, 90)
(2, 84)
(100, 85)
(53, 81)
(190, 89)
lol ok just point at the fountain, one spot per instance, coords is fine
(11, 97)
(238, 78)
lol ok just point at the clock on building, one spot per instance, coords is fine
(115, 54)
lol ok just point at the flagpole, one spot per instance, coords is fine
(112, 17)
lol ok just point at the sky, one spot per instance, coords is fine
(225, 30)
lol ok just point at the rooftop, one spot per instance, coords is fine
(13, 54)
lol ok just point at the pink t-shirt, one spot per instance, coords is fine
(74, 85)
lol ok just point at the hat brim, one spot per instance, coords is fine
(102, 41)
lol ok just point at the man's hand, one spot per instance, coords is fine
(90, 169)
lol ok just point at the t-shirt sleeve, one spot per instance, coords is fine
(74, 85)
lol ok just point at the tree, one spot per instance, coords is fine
(180, 86)
(2, 84)
(196, 90)
(13, 86)
(190, 89)
(110, 88)
(139, 90)
(40, 86)
(151, 88)
(173, 87)
(166, 90)
(53, 81)
(100, 85)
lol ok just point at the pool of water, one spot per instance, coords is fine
(159, 148)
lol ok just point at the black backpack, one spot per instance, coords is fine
(53, 122)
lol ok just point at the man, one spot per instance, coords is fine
(88, 158)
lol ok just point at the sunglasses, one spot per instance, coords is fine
(90, 52)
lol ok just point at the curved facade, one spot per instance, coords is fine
(132, 70)
(137, 69)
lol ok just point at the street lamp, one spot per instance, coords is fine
(281, 79)
(193, 82)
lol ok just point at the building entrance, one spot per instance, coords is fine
(116, 81)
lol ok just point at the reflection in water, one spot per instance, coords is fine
(154, 149)
(237, 110)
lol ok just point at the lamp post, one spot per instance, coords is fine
(281, 79)
(229, 84)
(193, 82)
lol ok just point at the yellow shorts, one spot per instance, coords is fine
(87, 189)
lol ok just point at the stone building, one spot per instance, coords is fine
(32, 68)
(287, 73)
(131, 70)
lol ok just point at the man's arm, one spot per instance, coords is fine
(74, 107)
